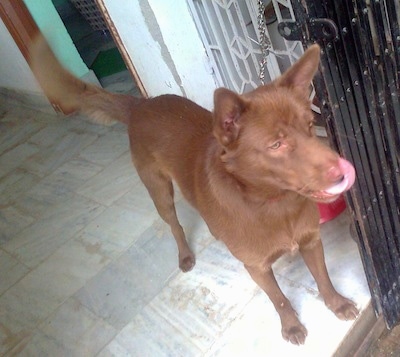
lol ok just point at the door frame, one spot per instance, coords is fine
(118, 41)
(23, 29)
(19, 23)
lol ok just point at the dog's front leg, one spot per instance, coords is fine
(313, 255)
(292, 329)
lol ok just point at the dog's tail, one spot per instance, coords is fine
(71, 94)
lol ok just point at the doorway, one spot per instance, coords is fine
(95, 44)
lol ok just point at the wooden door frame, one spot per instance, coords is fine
(19, 23)
(118, 41)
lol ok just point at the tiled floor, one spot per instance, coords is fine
(89, 269)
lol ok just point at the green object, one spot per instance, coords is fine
(50, 24)
(108, 62)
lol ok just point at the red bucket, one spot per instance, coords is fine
(329, 211)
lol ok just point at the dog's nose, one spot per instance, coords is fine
(335, 174)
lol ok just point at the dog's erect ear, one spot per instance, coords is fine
(228, 107)
(300, 75)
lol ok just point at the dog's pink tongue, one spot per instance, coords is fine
(349, 176)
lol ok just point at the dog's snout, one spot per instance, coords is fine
(334, 174)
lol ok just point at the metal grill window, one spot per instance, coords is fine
(229, 31)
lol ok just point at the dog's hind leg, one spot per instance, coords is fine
(161, 190)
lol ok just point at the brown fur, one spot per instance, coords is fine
(252, 168)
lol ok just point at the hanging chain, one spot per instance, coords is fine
(265, 43)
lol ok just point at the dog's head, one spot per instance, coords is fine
(269, 141)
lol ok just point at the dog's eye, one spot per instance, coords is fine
(275, 146)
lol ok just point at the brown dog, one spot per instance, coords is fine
(253, 168)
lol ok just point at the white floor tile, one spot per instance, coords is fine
(112, 183)
(57, 225)
(11, 270)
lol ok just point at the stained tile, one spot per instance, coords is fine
(67, 178)
(121, 291)
(11, 271)
(15, 184)
(15, 157)
(50, 135)
(137, 198)
(19, 102)
(71, 331)
(16, 130)
(106, 148)
(150, 335)
(50, 158)
(39, 344)
(22, 307)
(13, 341)
(257, 330)
(66, 271)
(12, 221)
(115, 230)
(43, 196)
(35, 243)
(203, 302)
(45, 288)
(112, 183)
(158, 245)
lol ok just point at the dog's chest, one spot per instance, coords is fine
(266, 233)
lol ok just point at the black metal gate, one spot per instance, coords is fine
(359, 87)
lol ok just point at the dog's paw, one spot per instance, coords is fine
(187, 263)
(343, 308)
(295, 334)
(347, 311)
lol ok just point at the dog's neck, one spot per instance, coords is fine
(235, 187)
(261, 195)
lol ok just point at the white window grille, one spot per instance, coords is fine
(230, 34)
